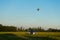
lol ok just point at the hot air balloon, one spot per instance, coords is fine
(38, 9)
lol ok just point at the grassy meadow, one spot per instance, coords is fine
(27, 36)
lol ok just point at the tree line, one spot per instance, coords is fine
(15, 29)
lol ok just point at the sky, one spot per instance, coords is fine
(24, 13)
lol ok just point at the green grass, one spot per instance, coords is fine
(26, 36)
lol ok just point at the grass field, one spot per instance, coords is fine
(27, 36)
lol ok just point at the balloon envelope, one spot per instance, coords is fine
(38, 9)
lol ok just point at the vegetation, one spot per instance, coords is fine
(26, 36)
(14, 29)
(12, 33)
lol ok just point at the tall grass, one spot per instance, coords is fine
(37, 35)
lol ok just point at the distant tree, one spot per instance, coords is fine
(14, 29)
(53, 30)
(0, 25)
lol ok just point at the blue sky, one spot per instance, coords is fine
(24, 13)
